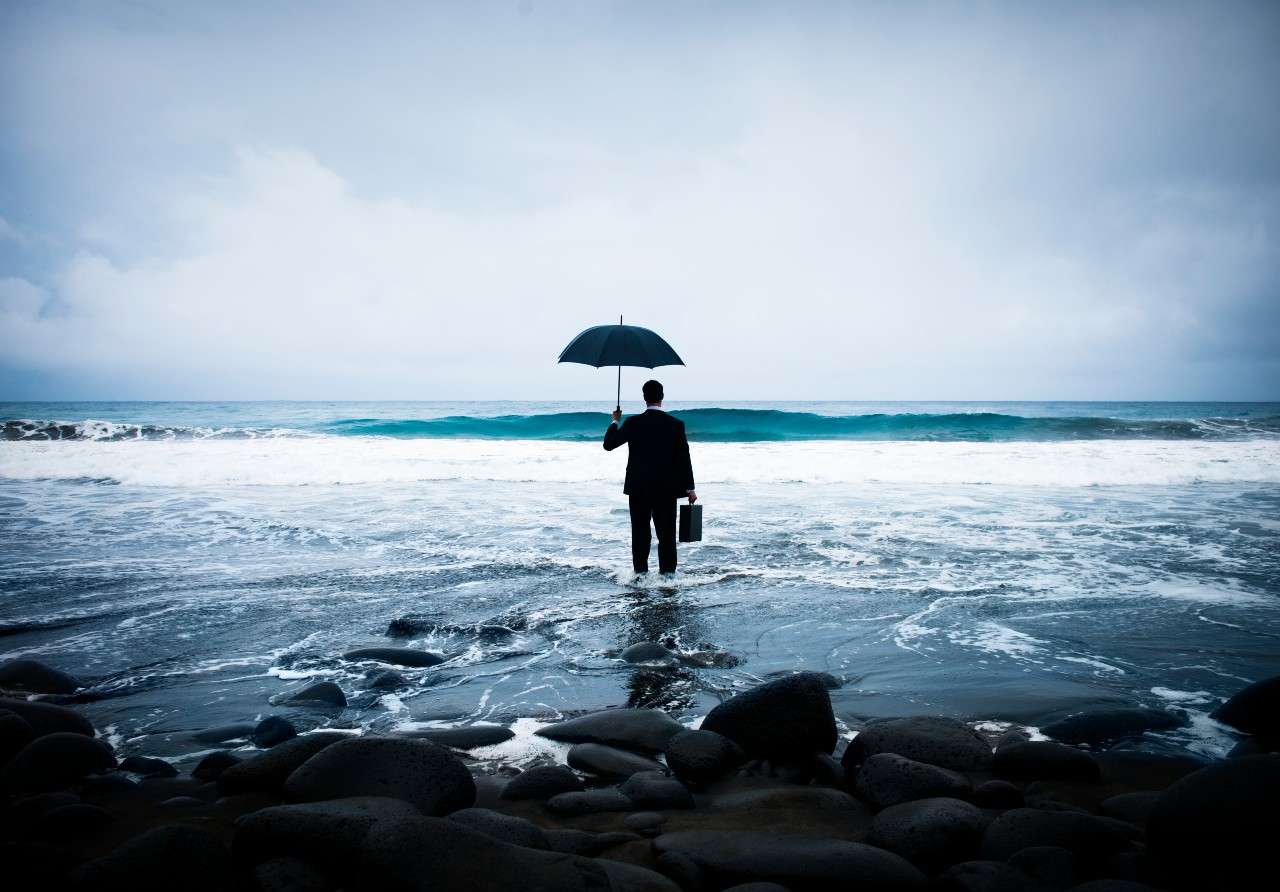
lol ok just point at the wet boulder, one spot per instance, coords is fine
(931, 833)
(225, 733)
(147, 766)
(649, 653)
(646, 730)
(1044, 759)
(160, 860)
(15, 733)
(396, 656)
(290, 875)
(1053, 868)
(702, 757)
(271, 731)
(417, 771)
(1216, 828)
(504, 828)
(55, 761)
(887, 779)
(944, 742)
(607, 761)
(797, 862)
(1090, 838)
(385, 679)
(1133, 808)
(46, 718)
(468, 738)
(318, 692)
(656, 790)
(212, 766)
(1253, 710)
(996, 794)
(36, 677)
(787, 718)
(267, 772)
(589, 802)
(328, 834)
(542, 782)
(983, 876)
(1102, 725)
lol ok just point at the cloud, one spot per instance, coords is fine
(920, 212)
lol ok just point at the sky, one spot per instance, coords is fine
(875, 200)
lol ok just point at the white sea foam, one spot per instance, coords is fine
(360, 460)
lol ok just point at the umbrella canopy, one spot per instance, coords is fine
(620, 345)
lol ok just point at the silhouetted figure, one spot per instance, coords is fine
(658, 472)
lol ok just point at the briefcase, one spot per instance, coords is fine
(690, 523)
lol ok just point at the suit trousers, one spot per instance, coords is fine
(661, 510)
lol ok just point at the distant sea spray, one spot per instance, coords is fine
(703, 424)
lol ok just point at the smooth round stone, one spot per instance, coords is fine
(272, 730)
(318, 692)
(589, 802)
(212, 766)
(417, 771)
(702, 757)
(148, 766)
(649, 652)
(1253, 710)
(173, 856)
(224, 733)
(1052, 867)
(944, 742)
(1216, 828)
(997, 794)
(983, 876)
(1045, 759)
(608, 761)
(887, 779)
(655, 789)
(1088, 837)
(581, 842)
(328, 834)
(542, 782)
(647, 730)
(505, 828)
(1103, 725)
(812, 799)
(396, 656)
(36, 677)
(290, 875)
(267, 772)
(646, 823)
(385, 679)
(929, 832)
(787, 718)
(15, 733)
(1135, 808)
(468, 738)
(183, 802)
(55, 761)
(47, 718)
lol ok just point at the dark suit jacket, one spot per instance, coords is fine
(657, 454)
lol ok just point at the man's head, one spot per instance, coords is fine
(652, 393)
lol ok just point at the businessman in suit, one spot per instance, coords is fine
(658, 473)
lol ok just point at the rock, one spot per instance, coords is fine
(931, 833)
(1091, 839)
(589, 802)
(646, 823)
(183, 802)
(327, 834)
(1103, 725)
(318, 692)
(608, 761)
(417, 771)
(542, 782)
(55, 761)
(213, 765)
(1254, 746)
(944, 742)
(468, 738)
(982, 876)
(396, 656)
(1253, 710)
(996, 794)
(798, 862)
(290, 875)
(787, 718)
(1216, 828)
(153, 861)
(36, 677)
(681, 870)
(22, 813)
(46, 718)
(646, 730)
(148, 766)
(384, 679)
(58, 825)
(1146, 770)
(702, 757)
(809, 799)
(112, 783)
(505, 828)
(271, 731)
(15, 733)
(1045, 759)
(647, 652)
(580, 842)
(267, 772)
(1134, 808)
(1053, 868)
(655, 789)
(224, 733)
(887, 779)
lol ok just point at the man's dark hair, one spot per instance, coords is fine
(652, 391)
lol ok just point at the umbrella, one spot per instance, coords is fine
(620, 345)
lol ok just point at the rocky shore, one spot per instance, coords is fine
(763, 796)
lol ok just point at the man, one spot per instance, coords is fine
(658, 473)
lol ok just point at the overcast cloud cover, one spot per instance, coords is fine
(853, 200)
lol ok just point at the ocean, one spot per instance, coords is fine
(999, 562)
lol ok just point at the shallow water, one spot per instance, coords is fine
(193, 580)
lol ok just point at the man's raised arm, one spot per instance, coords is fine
(615, 435)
